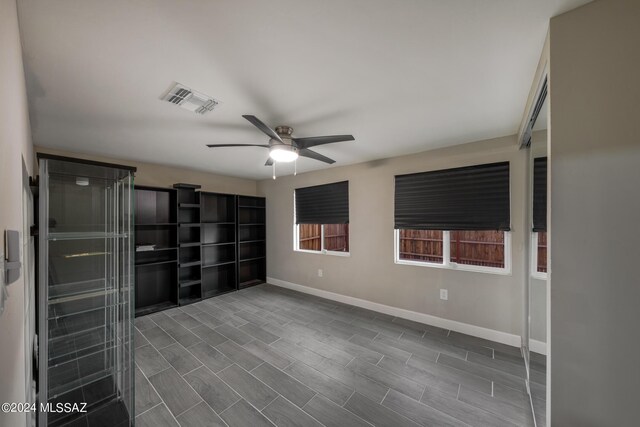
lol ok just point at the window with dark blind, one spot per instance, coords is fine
(539, 240)
(468, 198)
(323, 204)
(540, 194)
(322, 218)
(455, 218)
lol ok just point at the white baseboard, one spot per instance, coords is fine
(465, 328)
(538, 347)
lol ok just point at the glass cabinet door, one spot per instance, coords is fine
(85, 298)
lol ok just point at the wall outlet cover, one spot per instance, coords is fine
(320, 272)
(444, 294)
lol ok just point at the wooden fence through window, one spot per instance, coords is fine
(542, 252)
(336, 237)
(481, 248)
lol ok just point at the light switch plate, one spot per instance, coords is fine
(12, 263)
(444, 294)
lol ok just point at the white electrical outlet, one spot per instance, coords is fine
(444, 294)
(319, 272)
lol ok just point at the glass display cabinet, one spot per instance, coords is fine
(85, 292)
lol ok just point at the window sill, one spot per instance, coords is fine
(539, 276)
(333, 253)
(458, 267)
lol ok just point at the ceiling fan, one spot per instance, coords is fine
(285, 148)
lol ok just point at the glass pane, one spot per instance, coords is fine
(483, 248)
(77, 204)
(336, 237)
(542, 252)
(421, 245)
(310, 237)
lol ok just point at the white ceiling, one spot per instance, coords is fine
(402, 76)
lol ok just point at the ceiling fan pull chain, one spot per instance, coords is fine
(295, 167)
(274, 170)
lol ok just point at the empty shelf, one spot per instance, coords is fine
(57, 312)
(75, 288)
(81, 344)
(189, 244)
(188, 283)
(145, 264)
(88, 293)
(189, 264)
(218, 222)
(252, 259)
(155, 250)
(56, 390)
(218, 264)
(83, 236)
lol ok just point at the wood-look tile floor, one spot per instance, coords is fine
(269, 356)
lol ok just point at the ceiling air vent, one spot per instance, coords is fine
(190, 100)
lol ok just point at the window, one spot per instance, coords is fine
(539, 255)
(465, 250)
(322, 219)
(421, 245)
(539, 235)
(323, 237)
(455, 218)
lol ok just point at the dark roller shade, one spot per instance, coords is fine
(469, 198)
(540, 194)
(323, 204)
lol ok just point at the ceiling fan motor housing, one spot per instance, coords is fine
(285, 133)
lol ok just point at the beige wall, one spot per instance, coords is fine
(15, 145)
(165, 176)
(595, 207)
(486, 300)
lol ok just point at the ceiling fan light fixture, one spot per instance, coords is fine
(283, 153)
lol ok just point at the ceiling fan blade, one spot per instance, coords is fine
(316, 156)
(321, 140)
(269, 162)
(237, 145)
(264, 128)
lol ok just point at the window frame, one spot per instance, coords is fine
(446, 256)
(322, 251)
(534, 259)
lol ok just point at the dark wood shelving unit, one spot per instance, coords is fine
(156, 268)
(251, 243)
(189, 241)
(218, 219)
(196, 245)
